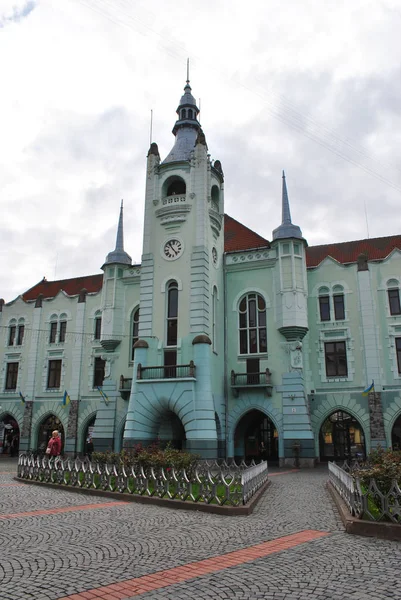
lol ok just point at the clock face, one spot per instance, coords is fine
(214, 256)
(172, 249)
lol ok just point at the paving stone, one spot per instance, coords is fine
(49, 556)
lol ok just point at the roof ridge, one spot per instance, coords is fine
(388, 237)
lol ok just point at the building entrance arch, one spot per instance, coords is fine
(341, 437)
(172, 430)
(49, 424)
(9, 435)
(256, 437)
(396, 434)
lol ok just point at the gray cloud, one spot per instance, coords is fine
(18, 14)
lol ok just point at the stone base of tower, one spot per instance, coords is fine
(298, 453)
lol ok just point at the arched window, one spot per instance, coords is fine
(134, 331)
(215, 197)
(183, 114)
(97, 325)
(172, 313)
(190, 113)
(331, 303)
(252, 324)
(12, 331)
(58, 328)
(175, 186)
(393, 291)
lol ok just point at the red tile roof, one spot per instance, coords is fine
(348, 252)
(239, 237)
(72, 287)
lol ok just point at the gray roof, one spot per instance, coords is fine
(286, 229)
(119, 255)
(185, 129)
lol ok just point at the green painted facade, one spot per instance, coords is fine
(229, 357)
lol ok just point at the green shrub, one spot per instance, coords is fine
(384, 466)
(151, 456)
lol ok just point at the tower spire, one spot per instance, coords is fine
(187, 126)
(119, 255)
(286, 229)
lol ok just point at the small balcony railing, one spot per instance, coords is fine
(125, 384)
(251, 380)
(166, 372)
(174, 199)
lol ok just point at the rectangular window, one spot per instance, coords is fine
(53, 333)
(98, 372)
(98, 327)
(324, 304)
(339, 310)
(63, 329)
(170, 362)
(394, 301)
(11, 335)
(398, 351)
(54, 374)
(20, 337)
(336, 359)
(11, 376)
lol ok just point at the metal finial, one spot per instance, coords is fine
(187, 70)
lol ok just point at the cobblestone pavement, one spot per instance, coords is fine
(50, 556)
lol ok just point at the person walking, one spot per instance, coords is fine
(54, 445)
(89, 448)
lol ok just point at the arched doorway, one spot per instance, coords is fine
(396, 434)
(9, 435)
(256, 437)
(341, 437)
(172, 430)
(47, 426)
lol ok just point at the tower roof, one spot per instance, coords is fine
(186, 127)
(286, 229)
(119, 255)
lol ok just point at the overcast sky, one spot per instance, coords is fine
(312, 87)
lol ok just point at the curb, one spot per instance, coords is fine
(230, 511)
(355, 526)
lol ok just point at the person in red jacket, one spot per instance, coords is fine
(54, 445)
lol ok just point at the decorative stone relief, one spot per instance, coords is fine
(72, 427)
(27, 419)
(296, 359)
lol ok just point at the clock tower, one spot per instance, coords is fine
(181, 286)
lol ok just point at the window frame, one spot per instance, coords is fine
(396, 298)
(99, 366)
(13, 376)
(97, 328)
(335, 356)
(171, 318)
(54, 373)
(12, 332)
(250, 333)
(397, 344)
(53, 332)
(134, 331)
(338, 305)
(62, 331)
(324, 303)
